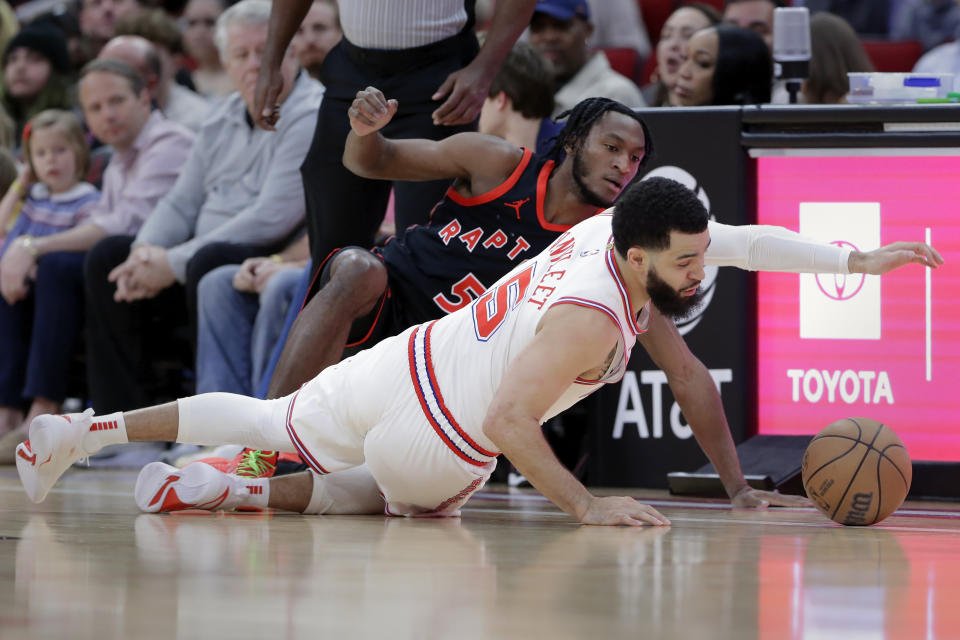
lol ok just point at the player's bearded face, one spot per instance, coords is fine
(580, 176)
(668, 300)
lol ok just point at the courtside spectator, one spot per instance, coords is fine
(177, 102)
(836, 51)
(51, 197)
(756, 15)
(238, 195)
(318, 33)
(520, 102)
(672, 48)
(35, 68)
(559, 30)
(199, 19)
(97, 22)
(724, 65)
(241, 311)
(148, 153)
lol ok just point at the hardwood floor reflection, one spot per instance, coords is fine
(86, 564)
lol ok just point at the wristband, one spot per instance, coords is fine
(276, 258)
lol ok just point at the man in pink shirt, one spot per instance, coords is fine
(148, 153)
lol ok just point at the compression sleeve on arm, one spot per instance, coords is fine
(770, 248)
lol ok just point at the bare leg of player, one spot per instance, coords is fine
(317, 338)
(353, 491)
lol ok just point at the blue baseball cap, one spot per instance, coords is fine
(564, 9)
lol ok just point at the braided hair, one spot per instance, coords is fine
(580, 121)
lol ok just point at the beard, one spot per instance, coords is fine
(668, 300)
(586, 194)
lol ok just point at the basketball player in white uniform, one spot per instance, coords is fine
(412, 426)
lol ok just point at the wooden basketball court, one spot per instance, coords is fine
(87, 564)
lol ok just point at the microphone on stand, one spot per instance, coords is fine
(791, 46)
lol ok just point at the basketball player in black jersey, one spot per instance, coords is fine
(504, 206)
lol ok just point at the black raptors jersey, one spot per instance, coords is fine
(469, 243)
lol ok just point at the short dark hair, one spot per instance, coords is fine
(527, 80)
(117, 68)
(744, 71)
(580, 121)
(648, 210)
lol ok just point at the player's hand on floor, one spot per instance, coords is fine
(893, 256)
(371, 111)
(616, 510)
(751, 498)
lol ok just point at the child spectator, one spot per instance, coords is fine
(41, 329)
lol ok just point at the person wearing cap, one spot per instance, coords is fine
(35, 68)
(559, 31)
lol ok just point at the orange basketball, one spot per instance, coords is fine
(856, 471)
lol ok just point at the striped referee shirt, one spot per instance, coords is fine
(402, 24)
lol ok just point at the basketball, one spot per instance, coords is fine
(856, 471)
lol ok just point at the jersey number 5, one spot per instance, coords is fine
(491, 309)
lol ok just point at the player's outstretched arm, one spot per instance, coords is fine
(702, 406)
(571, 340)
(474, 157)
(894, 256)
(773, 248)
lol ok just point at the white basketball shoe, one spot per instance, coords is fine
(54, 443)
(162, 488)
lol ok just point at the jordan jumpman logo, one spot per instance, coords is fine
(516, 204)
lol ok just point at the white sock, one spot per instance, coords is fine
(108, 429)
(256, 492)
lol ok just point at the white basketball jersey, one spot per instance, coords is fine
(457, 362)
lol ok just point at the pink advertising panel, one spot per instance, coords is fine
(888, 348)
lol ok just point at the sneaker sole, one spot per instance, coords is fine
(39, 470)
(162, 488)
